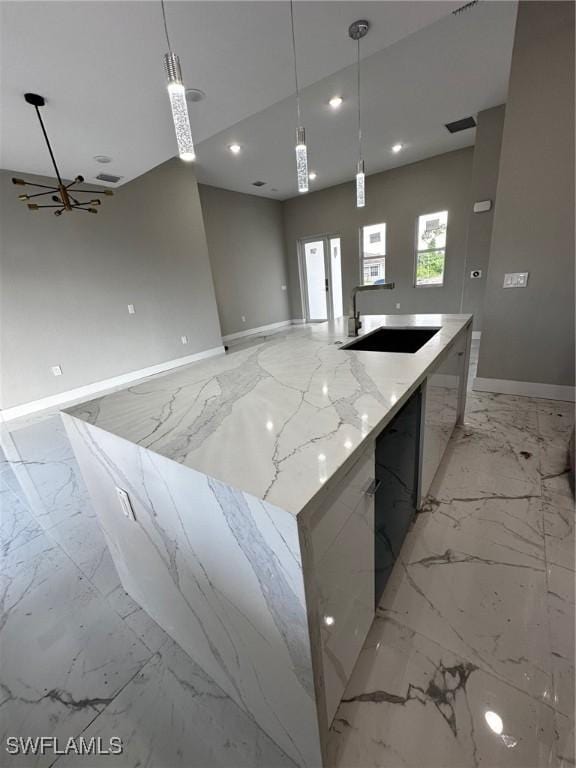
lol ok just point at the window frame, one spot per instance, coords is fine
(362, 259)
(418, 252)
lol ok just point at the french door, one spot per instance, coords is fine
(321, 270)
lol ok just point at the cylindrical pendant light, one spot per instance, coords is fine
(357, 31)
(177, 95)
(301, 149)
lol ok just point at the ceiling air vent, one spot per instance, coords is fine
(258, 183)
(461, 125)
(109, 178)
(465, 7)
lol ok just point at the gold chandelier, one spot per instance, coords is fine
(64, 196)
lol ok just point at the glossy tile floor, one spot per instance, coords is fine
(470, 661)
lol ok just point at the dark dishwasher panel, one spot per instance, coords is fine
(397, 459)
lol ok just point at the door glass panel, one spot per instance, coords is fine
(336, 272)
(316, 280)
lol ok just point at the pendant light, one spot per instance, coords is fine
(357, 31)
(301, 150)
(177, 94)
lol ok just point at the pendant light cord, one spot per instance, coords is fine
(358, 89)
(294, 57)
(165, 25)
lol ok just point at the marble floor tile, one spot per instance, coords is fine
(555, 420)
(564, 741)
(413, 703)
(17, 525)
(516, 524)
(554, 466)
(561, 608)
(477, 465)
(561, 615)
(64, 653)
(174, 716)
(502, 417)
(559, 535)
(481, 599)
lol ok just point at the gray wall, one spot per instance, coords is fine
(66, 283)
(528, 334)
(397, 197)
(483, 187)
(246, 245)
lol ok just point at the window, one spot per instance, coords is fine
(373, 253)
(431, 248)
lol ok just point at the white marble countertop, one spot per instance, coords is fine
(280, 419)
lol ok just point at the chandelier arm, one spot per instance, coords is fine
(87, 191)
(49, 146)
(55, 205)
(40, 194)
(43, 186)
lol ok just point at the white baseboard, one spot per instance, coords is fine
(261, 329)
(476, 334)
(298, 321)
(525, 389)
(73, 396)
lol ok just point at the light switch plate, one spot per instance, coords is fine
(56, 370)
(482, 206)
(131, 310)
(126, 504)
(515, 280)
(184, 339)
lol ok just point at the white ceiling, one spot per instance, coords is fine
(99, 64)
(452, 69)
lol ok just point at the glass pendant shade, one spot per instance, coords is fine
(177, 94)
(360, 185)
(301, 160)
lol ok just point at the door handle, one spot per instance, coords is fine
(372, 488)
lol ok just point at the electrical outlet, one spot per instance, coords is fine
(398, 305)
(56, 370)
(126, 504)
(283, 287)
(131, 310)
(243, 318)
(184, 339)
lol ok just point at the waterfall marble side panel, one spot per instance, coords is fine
(219, 570)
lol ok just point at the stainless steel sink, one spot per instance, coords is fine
(407, 340)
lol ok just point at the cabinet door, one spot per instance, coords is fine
(441, 409)
(341, 540)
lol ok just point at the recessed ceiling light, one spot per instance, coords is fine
(336, 101)
(235, 148)
(195, 94)
(102, 159)
(397, 148)
(312, 175)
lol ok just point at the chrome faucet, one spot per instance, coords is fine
(354, 323)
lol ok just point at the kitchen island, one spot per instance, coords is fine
(237, 499)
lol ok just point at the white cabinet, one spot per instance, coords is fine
(444, 388)
(341, 543)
